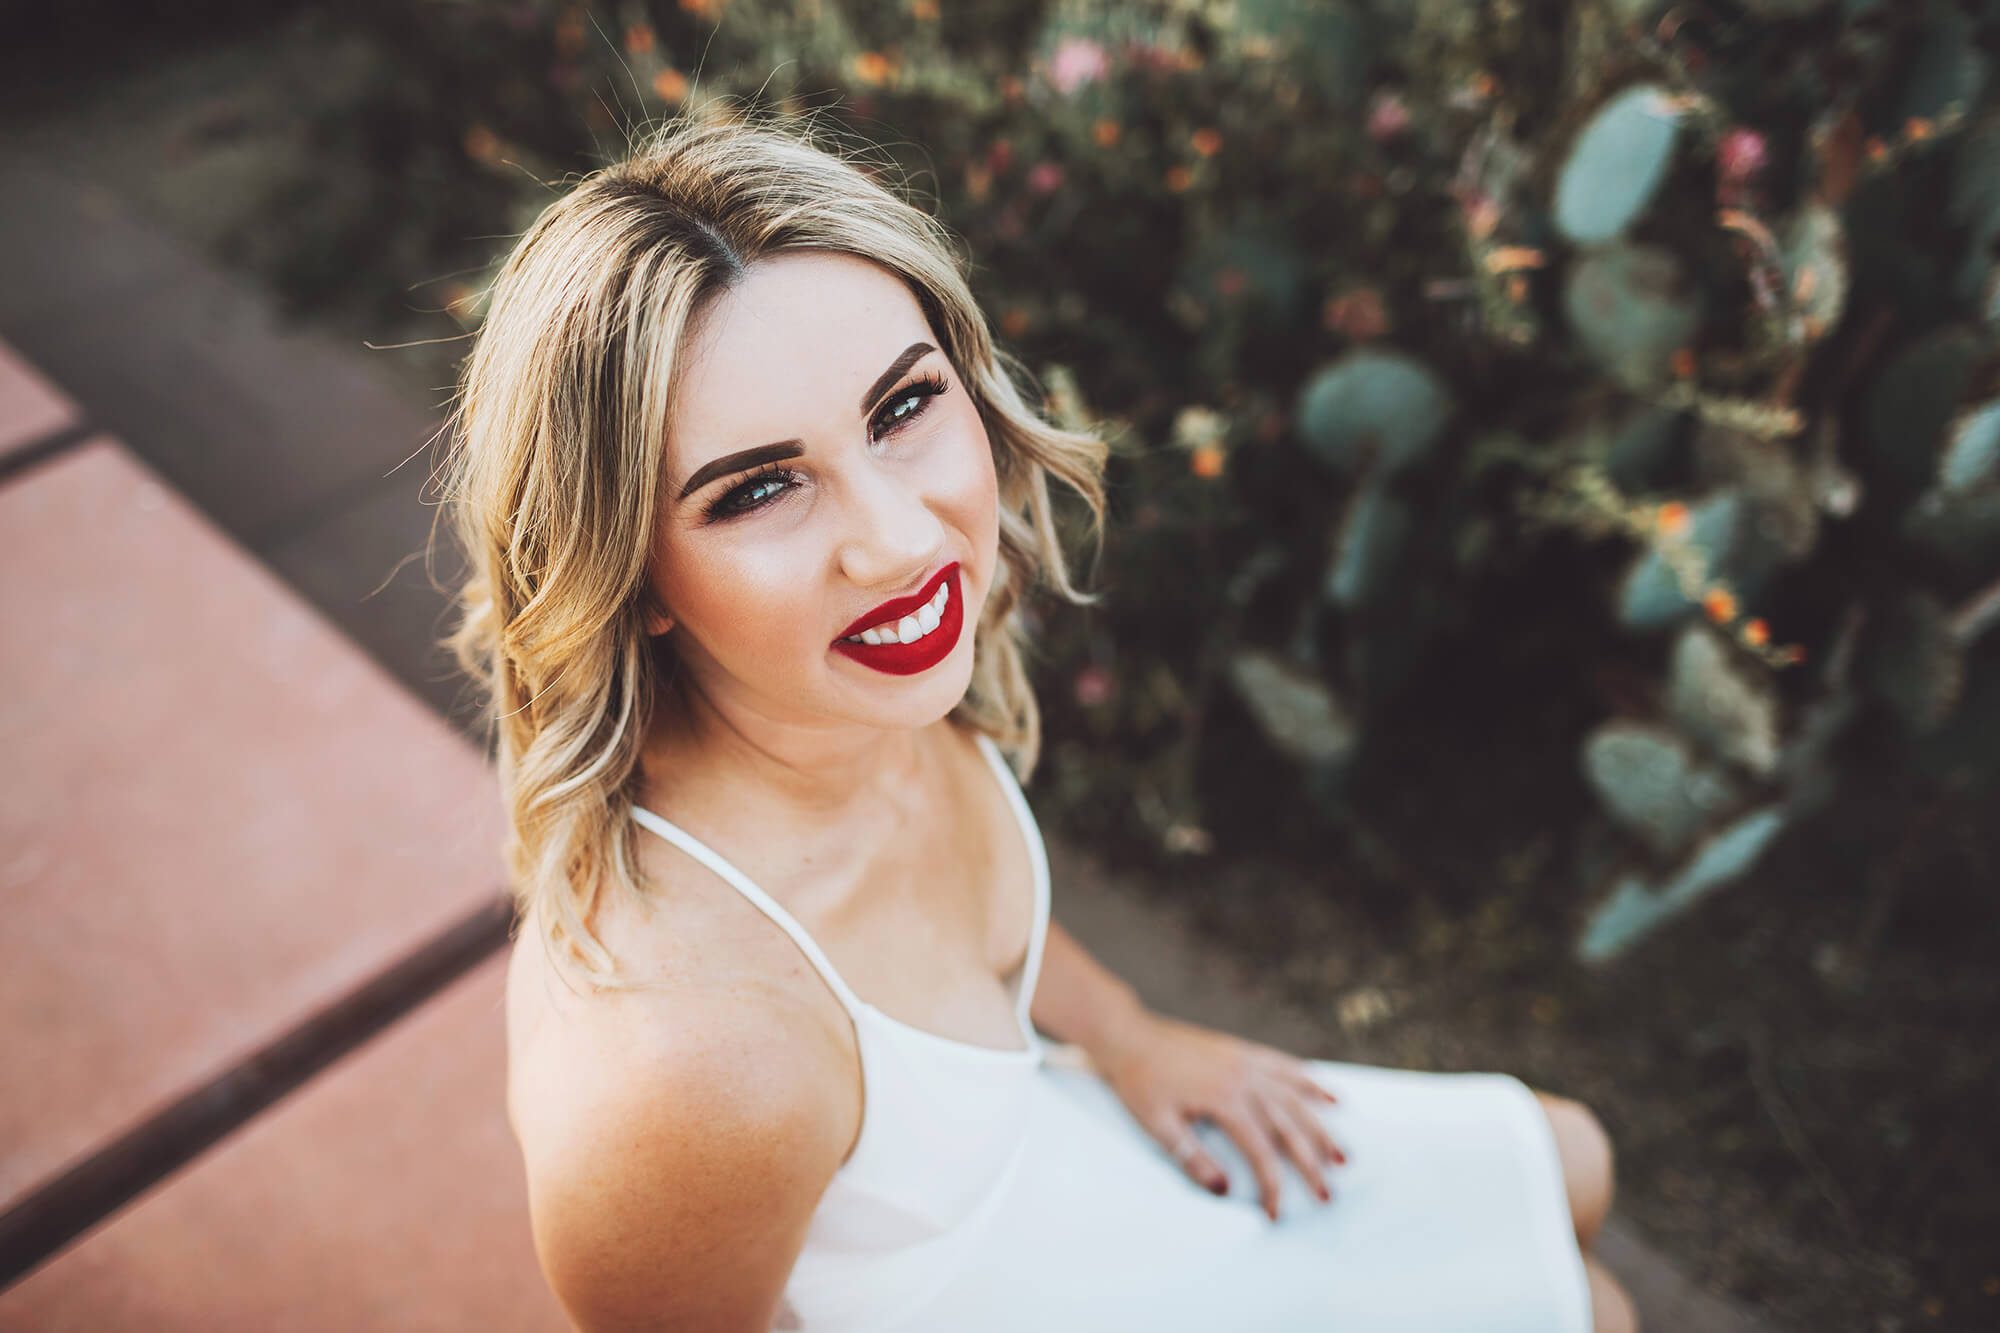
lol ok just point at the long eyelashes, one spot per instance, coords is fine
(730, 504)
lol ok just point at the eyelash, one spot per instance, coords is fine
(924, 389)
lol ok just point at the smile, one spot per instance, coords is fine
(916, 640)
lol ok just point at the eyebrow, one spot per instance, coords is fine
(729, 464)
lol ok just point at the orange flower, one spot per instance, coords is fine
(481, 144)
(1207, 141)
(638, 39)
(1179, 178)
(1684, 363)
(1505, 258)
(1876, 149)
(923, 9)
(1206, 461)
(670, 84)
(872, 68)
(1720, 604)
(1013, 321)
(1105, 131)
(1757, 632)
(1671, 517)
(1916, 127)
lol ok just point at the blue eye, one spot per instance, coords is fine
(769, 483)
(753, 493)
(920, 392)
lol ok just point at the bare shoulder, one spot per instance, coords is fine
(676, 1145)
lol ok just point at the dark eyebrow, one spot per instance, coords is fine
(729, 464)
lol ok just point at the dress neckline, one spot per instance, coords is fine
(858, 1007)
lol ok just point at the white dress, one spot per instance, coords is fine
(1007, 1190)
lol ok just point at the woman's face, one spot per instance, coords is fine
(823, 459)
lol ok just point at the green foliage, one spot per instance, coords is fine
(1373, 409)
(1634, 908)
(1631, 308)
(1381, 295)
(1296, 710)
(1617, 164)
(1378, 528)
(1653, 783)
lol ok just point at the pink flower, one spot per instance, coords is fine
(1741, 155)
(1077, 61)
(1387, 117)
(1359, 313)
(1094, 685)
(1151, 55)
(1045, 177)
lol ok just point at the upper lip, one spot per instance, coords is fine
(898, 607)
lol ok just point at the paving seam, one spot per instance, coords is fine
(62, 1208)
(61, 440)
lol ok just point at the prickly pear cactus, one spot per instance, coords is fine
(1654, 784)
(1631, 307)
(1374, 408)
(1617, 164)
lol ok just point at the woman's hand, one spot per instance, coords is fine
(1169, 1073)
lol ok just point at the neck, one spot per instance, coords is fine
(824, 772)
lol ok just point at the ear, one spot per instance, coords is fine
(657, 623)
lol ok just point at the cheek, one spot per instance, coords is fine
(751, 596)
(972, 485)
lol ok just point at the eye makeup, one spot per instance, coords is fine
(732, 503)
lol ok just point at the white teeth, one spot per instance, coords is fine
(911, 627)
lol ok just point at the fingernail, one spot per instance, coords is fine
(1340, 1156)
(1218, 1185)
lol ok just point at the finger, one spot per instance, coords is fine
(1312, 1084)
(1171, 1130)
(1282, 1115)
(1242, 1125)
(1321, 1136)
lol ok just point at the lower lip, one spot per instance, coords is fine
(906, 659)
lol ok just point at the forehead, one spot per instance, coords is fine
(802, 333)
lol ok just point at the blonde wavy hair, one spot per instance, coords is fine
(556, 441)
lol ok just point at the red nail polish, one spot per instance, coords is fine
(1218, 1186)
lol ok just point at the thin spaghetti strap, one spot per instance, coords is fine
(768, 905)
(1038, 858)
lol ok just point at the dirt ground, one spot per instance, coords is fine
(1799, 1074)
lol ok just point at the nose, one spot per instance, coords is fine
(892, 537)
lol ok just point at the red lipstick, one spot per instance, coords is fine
(903, 659)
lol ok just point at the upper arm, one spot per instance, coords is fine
(680, 1199)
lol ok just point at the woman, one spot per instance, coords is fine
(750, 503)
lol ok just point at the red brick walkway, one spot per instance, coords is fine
(234, 849)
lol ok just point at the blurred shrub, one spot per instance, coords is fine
(1391, 300)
